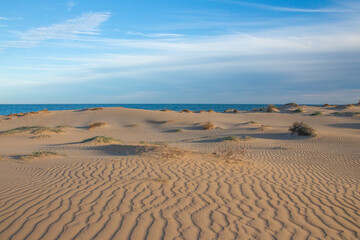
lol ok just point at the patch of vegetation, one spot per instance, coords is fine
(326, 105)
(209, 126)
(302, 129)
(210, 110)
(246, 138)
(235, 111)
(346, 114)
(230, 138)
(151, 143)
(178, 130)
(40, 154)
(271, 108)
(316, 113)
(202, 111)
(185, 111)
(298, 110)
(264, 127)
(34, 130)
(97, 124)
(41, 137)
(101, 139)
(165, 110)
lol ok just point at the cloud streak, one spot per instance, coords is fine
(86, 24)
(285, 9)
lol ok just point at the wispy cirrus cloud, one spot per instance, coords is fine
(86, 24)
(70, 5)
(285, 9)
(156, 35)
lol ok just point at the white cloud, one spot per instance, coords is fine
(3, 18)
(156, 35)
(86, 24)
(286, 9)
(70, 5)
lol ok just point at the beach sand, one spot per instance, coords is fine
(169, 178)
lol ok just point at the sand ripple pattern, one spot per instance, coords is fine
(137, 197)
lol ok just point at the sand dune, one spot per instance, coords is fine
(195, 186)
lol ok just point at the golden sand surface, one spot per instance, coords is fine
(169, 178)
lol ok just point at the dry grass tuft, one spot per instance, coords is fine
(264, 127)
(186, 111)
(302, 129)
(271, 108)
(133, 125)
(97, 124)
(326, 105)
(178, 130)
(209, 126)
(101, 140)
(230, 138)
(298, 110)
(34, 130)
(40, 154)
(165, 110)
(41, 136)
(210, 111)
(316, 113)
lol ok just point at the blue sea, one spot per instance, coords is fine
(6, 109)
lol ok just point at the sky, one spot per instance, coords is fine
(177, 51)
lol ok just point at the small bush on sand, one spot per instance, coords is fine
(230, 138)
(326, 105)
(209, 126)
(165, 110)
(316, 113)
(246, 138)
(272, 108)
(210, 111)
(178, 130)
(264, 127)
(298, 110)
(302, 129)
(185, 111)
(97, 124)
(40, 154)
(235, 111)
(101, 140)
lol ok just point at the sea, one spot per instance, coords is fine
(6, 109)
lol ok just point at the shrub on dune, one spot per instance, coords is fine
(302, 129)
(209, 126)
(185, 111)
(298, 110)
(40, 154)
(271, 108)
(101, 140)
(316, 113)
(97, 124)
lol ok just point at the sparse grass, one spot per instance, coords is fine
(346, 114)
(101, 140)
(316, 113)
(235, 111)
(271, 108)
(246, 138)
(210, 111)
(96, 124)
(40, 154)
(34, 130)
(326, 105)
(298, 110)
(152, 143)
(178, 130)
(302, 129)
(165, 110)
(185, 111)
(264, 127)
(252, 122)
(41, 136)
(209, 126)
(230, 138)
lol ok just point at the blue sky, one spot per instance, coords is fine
(204, 51)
